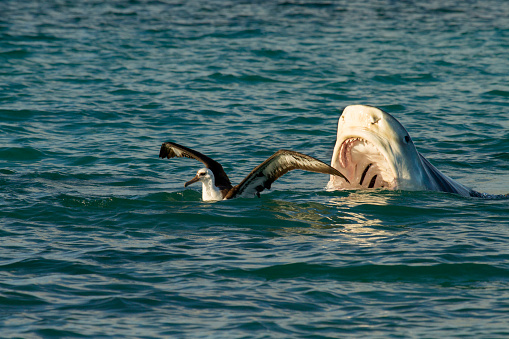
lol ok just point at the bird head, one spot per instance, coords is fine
(204, 175)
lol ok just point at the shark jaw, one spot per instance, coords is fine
(364, 165)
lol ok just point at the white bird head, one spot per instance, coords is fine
(203, 175)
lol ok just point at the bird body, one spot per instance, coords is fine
(209, 189)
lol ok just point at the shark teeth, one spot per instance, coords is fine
(345, 154)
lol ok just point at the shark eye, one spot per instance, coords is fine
(407, 139)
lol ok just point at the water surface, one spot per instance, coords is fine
(99, 238)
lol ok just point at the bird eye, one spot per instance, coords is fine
(407, 139)
(202, 174)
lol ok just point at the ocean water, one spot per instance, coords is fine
(99, 238)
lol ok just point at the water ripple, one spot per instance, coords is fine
(101, 239)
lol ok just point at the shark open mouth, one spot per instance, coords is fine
(364, 165)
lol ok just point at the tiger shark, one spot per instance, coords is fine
(373, 150)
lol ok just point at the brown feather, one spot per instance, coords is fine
(277, 165)
(171, 150)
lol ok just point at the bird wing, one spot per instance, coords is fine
(171, 150)
(277, 165)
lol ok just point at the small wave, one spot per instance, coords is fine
(6, 171)
(124, 91)
(107, 202)
(369, 273)
(40, 265)
(59, 176)
(271, 53)
(186, 195)
(500, 93)
(127, 202)
(245, 33)
(244, 78)
(396, 79)
(14, 299)
(20, 154)
(15, 54)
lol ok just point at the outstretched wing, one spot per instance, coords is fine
(277, 165)
(171, 150)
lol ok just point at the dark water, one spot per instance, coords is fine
(99, 238)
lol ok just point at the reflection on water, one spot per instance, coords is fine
(356, 222)
(356, 198)
(300, 215)
(359, 228)
(349, 214)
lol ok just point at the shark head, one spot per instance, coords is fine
(374, 150)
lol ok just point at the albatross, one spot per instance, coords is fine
(217, 186)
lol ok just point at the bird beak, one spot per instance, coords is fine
(192, 181)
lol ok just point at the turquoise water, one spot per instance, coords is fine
(100, 239)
